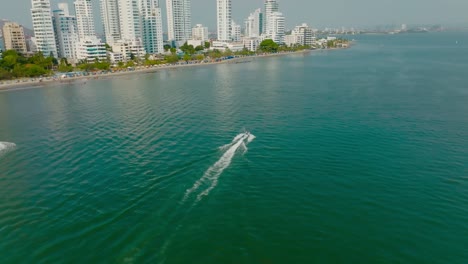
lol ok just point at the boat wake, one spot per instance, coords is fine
(6, 147)
(210, 178)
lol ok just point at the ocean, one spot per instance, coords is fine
(345, 156)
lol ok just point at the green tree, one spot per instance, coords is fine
(108, 47)
(9, 61)
(227, 53)
(5, 75)
(200, 57)
(199, 48)
(103, 65)
(173, 58)
(215, 54)
(32, 70)
(187, 57)
(19, 71)
(86, 67)
(269, 46)
(187, 49)
(64, 66)
(130, 64)
(167, 47)
(207, 45)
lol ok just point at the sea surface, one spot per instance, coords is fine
(353, 156)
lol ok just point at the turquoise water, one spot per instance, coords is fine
(360, 156)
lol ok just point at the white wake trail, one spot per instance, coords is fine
(6, 147)
(211, 176)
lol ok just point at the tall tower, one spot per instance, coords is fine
(236, 32)
(199, 32)
(179, 20)
(66, 32)
(254, 24)
(13, 36)
(85, 19)
(152, 26)
(130, 20)
(110, 20)
(224, 16)
(43, 27)
(277, 27)
(271, 6)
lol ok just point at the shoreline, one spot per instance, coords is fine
(23, 85)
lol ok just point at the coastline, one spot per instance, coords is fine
(22, 85)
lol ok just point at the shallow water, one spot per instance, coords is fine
(360, 156)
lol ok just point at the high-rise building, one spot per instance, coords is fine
(276, 27)
(13, 36)
(110, 20)
(254, 24)
(224, 18)
(91, 49)
(271, 6)
(199, 32)
(85, 19)
(236, 32)
(152, 26)
(130, 20)
(43, 27)
(301, 35)
(66, 32)
(179, 20)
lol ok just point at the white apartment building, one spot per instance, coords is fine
(236, 32)
(224, 19)
(91, 49)
(115, 57)
(300, 35)
(223, 45)
(195, 42)
(199, 32)
(66, 32)
(43, 27)
(276, 28)
(110, 20)
(152, 26)
(129, 48)
(179, 20)
(85, 19)
(13, 35)
(251, 44)
(254, 24)
(130, 20)
(271, 6)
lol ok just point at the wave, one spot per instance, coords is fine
(6, 147)
(211, 176)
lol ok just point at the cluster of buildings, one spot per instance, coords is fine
(133, 28)
(261, 24)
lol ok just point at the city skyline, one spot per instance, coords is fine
(332, 14)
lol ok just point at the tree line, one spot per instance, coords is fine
(15, 65)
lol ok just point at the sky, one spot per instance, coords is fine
(317, 13)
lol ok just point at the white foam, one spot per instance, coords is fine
(6, 146)
(236, 138)
(211, 176)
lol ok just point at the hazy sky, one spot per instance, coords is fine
(317, 13)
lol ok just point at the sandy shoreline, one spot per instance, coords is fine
(20, 85)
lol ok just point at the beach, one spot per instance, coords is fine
(28, 83)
